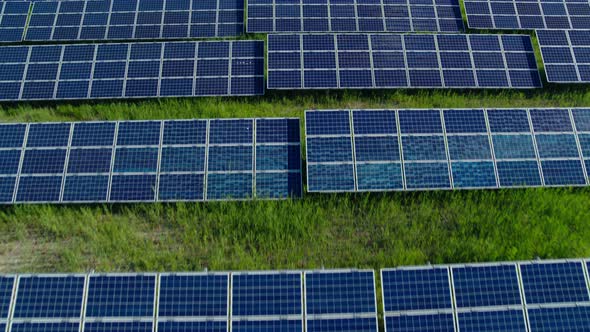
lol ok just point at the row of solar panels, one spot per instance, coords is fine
(197, 302)
(130, 161)
(120, 20)
(529, 297)
(384, 150)
(347, 151)
(221, 68)
(178, 19)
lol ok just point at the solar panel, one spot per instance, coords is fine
(416, 289)
(573, 318)
(420, 322)
(378, 61)
(527, 15)
(137, 70)
(492, 320)
(267, 301)
(130, 161)
(6, 288)
(13, 20)
(49, 297)
(45, 327)
(119, 326)
(133, 19)
(265, 16)
(338, 300)
(194, 326)
(559, 282)
(120, 296)
(566, 54)
(486, 286)
(388, 150)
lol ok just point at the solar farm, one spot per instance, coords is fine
(294, 165)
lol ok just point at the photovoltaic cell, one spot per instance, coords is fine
(45, 327)
(416, 289)
(375, 61)
(446, 149)
(134, 19)
(138, 70)
(6, 286)
(527, 15)
(486, 286)
(51, 296)
(265, 16)
(340, 301)
(575, 318)
(120, 296)
(119, 326)
(566, 53)
(183, 160)
(267, 301)
(554, 282)
(193, 295)
(13, 20)
(500, 320)
(424, 322)
(196, 326)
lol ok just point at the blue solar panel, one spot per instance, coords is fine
(386, 150)
(137, 70)
(357, 324)
(353, 16)
(50, 297)
(119, 326)
(525, 15)
(554, 282)
(208, 326)
(193, 295)
(501, 320)
(13, 20)
(559, 319)
(181, 160)
(566, 53)
(121, 296)
(373, 61)
(266, 294)
(486, 286)
(6, 286)
(427, 322)
(122, 20)
(340, 292)
(45, 327)
(416, 289)
(268, 326)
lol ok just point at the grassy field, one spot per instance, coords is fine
(361, 230)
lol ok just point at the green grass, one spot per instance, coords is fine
(357, 230)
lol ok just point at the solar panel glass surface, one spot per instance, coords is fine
(120, 296)
(274, 294)
(176, 160)
(354, 16)
(416, 289)
(340, 292)
(445, 149)
(566, 54)
(6, 286)
(198, 295)
(559, 282)
(486, 286)
(45, 297)
(374, 61)
(133, 20)
(527, 15)
(138, 70)
(428, 322)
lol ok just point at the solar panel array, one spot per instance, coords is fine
(127, 161)
(13, 20)
(384, 150)
(340, 301)
(139, 70)
(354, 16)
(372, 61)
(487, 297)
(267, 301)
(260, 301)
(566, 55)
(135, 19)
(528, 15)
